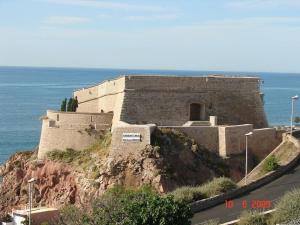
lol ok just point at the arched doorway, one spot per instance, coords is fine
(197, 112)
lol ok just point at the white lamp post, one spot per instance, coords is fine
(246, 166)
(294, 98)
(30, 182)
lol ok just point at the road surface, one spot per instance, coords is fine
(269, 192)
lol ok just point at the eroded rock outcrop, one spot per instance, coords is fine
(78, 177)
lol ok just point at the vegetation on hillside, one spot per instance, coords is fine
(288, 208)
(270, 164)
(170, 141)
(215, 187)
(287, 212)
(85, 158)
(252, 218)
(119, 206)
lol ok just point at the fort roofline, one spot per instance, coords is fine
(77, 113)
(217, 76)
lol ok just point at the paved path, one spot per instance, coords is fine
(272, 191)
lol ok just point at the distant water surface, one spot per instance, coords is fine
(26, 94)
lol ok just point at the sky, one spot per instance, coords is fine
(225, 35)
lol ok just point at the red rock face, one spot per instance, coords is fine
(55, 183)
(83, 179)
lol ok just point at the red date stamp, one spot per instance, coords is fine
(246, 204)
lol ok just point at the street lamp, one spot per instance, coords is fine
(294, 98)
(246, 166)
(30, 183)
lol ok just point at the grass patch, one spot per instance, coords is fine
(252, 218)
(288, 208)
(84, 159)
(211, 222)
(63, 156)
(270, 164)
(215, 187)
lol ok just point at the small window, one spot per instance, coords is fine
(91, 118)
(57, 117)
(51, 123)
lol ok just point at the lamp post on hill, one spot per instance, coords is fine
(246, 166)
(294, 98)
(30, 183)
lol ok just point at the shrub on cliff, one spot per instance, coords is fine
(270, 164)
(128, 207)
(172, 142)
(63, 156)
(215, 187)
(7, 218)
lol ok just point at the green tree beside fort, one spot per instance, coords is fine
(63, 106)
(71, 106)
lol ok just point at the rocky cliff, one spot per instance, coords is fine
(73, 177)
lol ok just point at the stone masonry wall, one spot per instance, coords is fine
(232, 139)
(222, 140)
(165, 101)
(263, 141)
(205, 135)
(68, 130)
(104, 97)
(124, 148)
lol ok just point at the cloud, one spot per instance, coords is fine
(251, 4)
(108, 5)
(254, 22)
(214, 45)
(152, 17)
(66, 20)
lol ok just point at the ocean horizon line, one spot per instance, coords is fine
(145, 69)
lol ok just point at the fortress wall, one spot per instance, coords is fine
(161, 108)
(119, 99)
(239, 107)
(86, 94)
(69, 119)
(165, 100)
(89, 106)
(232, 139)
(125, 148)
(109, 97)
(172, 108)
(203, 135)
(191, 83)
(263, 141)
(111, 86)
(69, 131)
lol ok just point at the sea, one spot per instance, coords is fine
(26, 93)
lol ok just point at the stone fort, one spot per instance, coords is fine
(217, 111)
